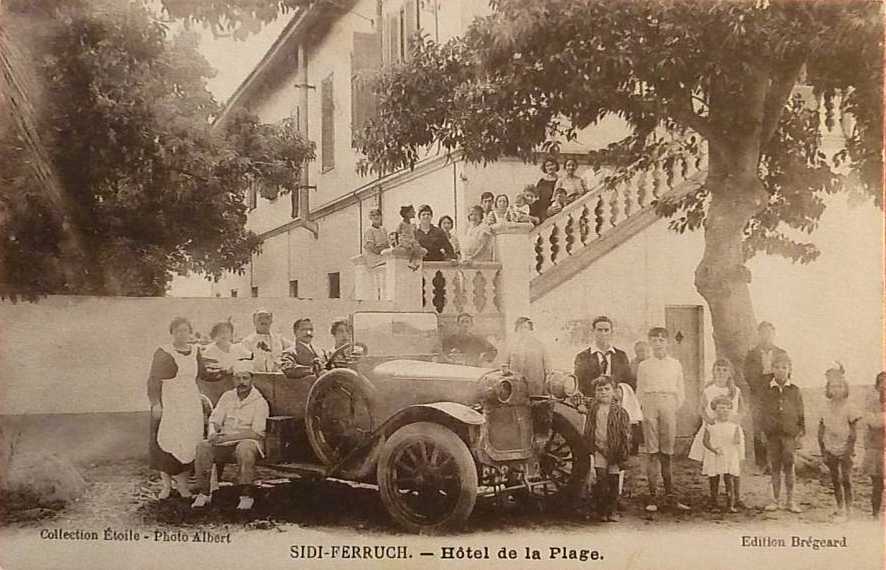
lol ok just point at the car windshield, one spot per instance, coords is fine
(396, 334)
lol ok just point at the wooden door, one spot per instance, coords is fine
(685, 324)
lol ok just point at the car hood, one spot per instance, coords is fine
(419, 369)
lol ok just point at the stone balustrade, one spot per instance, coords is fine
(602, 209)
(453, 288)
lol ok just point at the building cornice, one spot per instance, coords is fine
(304, 21)
(368, 190)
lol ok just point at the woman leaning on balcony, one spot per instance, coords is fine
(477, 240)
(574, 185)
(432, 238)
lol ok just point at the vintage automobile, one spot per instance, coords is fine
(433, 435)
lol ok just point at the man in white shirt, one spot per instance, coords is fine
(661, 391)
(236, 435)
(267, 347)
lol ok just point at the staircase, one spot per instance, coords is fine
(601, 220)
(530, 262)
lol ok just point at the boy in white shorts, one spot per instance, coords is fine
(661, 392)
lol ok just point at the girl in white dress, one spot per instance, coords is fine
(724, 449)
(722, 384)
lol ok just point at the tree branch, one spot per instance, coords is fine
(780, 88)
(682, 112)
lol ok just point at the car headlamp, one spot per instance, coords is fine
(561, 384)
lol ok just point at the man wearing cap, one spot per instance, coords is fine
(267, 347)
(474, 349)
(236, 435)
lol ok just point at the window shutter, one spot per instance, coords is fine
(394, 38)
(365, 63)
(252, 194)
(410, 25)
(327, 134)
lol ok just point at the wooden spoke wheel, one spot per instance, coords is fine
(564, 460)
(427, 478)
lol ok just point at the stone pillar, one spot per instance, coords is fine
(402, 285)
(363, 290)
(514, 251)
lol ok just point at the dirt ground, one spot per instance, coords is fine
(123, 495)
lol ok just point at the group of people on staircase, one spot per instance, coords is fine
(424, 241)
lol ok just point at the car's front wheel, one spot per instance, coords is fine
(427, 478)
(565, 461)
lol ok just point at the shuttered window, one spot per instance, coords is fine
(327, 125)
(365, 63)
(393, 38)
(409, 16)
(252, 195)
(402, 20)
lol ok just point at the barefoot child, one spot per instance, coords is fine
(784, 424)
(607, 434)
(875, 406)
(836, 437)
(722, 384)
(724, 447)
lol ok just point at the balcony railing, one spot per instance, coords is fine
(452, 288)
(601, 210)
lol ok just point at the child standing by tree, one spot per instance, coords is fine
(836, 437)
(784, 423)
(607, 433)
(721, 385)
(724, 447)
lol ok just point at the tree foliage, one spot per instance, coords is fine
(240, 18)
(123, 117)
(533, 74)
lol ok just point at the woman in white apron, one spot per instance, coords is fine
(176, 409)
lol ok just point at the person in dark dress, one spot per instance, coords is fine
(545, 189)
(432, 238)
(176, 408)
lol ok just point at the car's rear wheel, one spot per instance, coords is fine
(427, 478)
(339, 414)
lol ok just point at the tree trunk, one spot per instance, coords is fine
(721, 276)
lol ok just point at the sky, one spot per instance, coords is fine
(233, 59)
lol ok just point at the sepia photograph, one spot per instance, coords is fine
(442, 284)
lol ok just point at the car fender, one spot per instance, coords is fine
(437, 412)
(461, 419)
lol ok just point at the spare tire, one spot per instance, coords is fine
(340, 414)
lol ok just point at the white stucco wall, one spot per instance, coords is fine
(831, 309)
(92, 354)
(632, 285)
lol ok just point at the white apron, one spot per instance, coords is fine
(181, 425)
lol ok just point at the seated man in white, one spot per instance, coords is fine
(236, 435)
